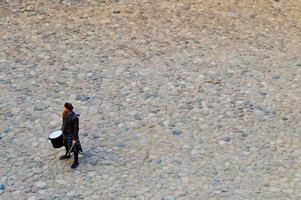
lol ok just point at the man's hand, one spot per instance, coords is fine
(73, 142)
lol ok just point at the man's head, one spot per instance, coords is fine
(68, 107)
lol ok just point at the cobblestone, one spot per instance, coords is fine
(177, 99)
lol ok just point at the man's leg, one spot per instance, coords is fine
(63, 157)
(75, 163)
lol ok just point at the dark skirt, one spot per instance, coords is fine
(68, 143)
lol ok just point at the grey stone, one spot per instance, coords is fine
(93, 110)
(51, 197)
(61, 181)
(189, 105)
(2, 187)
(60, 196)
(137, 117)
(155, 110)
(226, 139)
(224, 190)
(7, 130)
(40, 106)
(61, 82)
(37, 170)
(263, 93)
(82, 97)
(276, 77)
(93, 162)
(120, 145)
(95, 135)
(284, 118)
(143, 141)
(2, 81)
(259, 115)
(177, 132)
(250, 105)
(269, 111)
(243, 134)
(125, 129)
(158, 162)
(32, 198)
(169, 197)
(107, 162)
(41, 184)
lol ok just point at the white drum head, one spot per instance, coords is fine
(55, 134)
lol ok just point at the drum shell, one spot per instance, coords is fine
(57, 142)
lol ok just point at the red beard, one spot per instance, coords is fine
(65, 114)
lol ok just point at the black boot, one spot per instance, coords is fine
(64, 157)
(75, 163)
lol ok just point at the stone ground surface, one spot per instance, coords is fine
(178, 99)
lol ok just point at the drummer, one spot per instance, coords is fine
(70, 130)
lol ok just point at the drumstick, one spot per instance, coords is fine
(70, 149)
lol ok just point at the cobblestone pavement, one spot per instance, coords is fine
(178, 99)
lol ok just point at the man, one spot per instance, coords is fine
(70, 130)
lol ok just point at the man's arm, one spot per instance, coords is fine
(76, 128)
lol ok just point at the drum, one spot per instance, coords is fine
(56, 139)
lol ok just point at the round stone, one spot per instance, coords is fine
(41, 184)
(61, 181)
(185, 180)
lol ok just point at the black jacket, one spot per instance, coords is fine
(71, 125)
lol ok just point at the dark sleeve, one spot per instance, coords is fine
(76, 128)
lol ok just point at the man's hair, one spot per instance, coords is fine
(69, 106)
